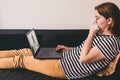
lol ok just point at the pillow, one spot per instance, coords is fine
(111, 68)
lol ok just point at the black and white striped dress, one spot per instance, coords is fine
(109, 47)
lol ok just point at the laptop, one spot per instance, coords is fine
(41, 52)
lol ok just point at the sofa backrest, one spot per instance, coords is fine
(16, 38)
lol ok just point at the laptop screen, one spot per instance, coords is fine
(33, 41)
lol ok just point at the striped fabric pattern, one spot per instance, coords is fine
(109, 47)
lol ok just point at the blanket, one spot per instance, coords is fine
(111, 68)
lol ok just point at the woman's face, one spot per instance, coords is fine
(101, 21)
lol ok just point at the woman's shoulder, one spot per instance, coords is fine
(107, 37)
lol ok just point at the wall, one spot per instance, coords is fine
(48, 14)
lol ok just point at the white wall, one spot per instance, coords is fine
(48, 14)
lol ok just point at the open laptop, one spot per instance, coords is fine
(38, 51)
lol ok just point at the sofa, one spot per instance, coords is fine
(16, 39)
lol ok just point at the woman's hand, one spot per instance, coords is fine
(94, 27)
(62, 48)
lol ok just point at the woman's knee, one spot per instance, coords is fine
(19, 61)
(25, 51)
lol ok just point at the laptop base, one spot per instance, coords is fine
(48, 53)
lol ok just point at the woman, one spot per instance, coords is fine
(94, 54)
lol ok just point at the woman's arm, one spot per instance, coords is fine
(89, 54)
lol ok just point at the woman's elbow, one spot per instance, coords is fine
(82, 61)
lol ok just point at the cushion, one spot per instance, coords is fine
(111, 68)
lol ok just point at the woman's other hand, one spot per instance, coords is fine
(94, 27)
(62, 48)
